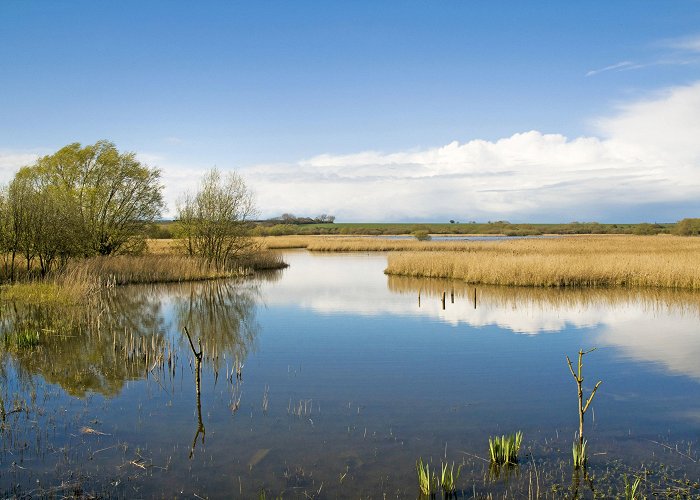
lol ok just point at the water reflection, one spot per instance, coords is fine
(128, 333)
(651, 325)
(221, 314)
(348, 379)
(94, 348)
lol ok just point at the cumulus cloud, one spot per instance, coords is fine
(643, 163)
(645, 159)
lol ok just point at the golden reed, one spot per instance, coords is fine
(591, 261)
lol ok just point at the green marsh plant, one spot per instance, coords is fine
(579, 454)
(631, 487)
(448, 479)
(427, 480)
(504, 449)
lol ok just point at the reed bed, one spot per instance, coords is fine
(260, 258)
(123, 270)
(655, 261)
(364, 244)
(285, 242)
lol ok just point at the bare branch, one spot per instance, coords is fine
(571, 368)
(590, 398)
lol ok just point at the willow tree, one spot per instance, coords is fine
(109, 197)
(215, 221)
(77, 202)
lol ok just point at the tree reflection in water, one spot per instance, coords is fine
(127, 333)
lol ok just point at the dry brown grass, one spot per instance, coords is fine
(122, 270)
(285, 242)
(260, 258)
(658, 261)
(362, 244)
(164, 247)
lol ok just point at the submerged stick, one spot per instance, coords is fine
(198, 387)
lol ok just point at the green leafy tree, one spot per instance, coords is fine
(687, 227)
(110, 196)
(79, 201)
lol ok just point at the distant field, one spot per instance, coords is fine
(462, 228)
(167, 229)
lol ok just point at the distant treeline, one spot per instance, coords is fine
(685, 227)
(295, 220)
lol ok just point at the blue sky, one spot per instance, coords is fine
(343, 107)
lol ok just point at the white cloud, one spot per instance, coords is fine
(12, 161)
(646, 154)
(643, 164)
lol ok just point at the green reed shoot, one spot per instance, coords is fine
(427, 480)
(449, 478)
(631, 488)
(22, 339)
(579, 453)
(504, 449)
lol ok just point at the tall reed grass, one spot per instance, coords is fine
(655, 261)
(123, 270)
(363, 244)
(259, 258)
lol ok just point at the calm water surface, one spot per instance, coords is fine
(347, 376)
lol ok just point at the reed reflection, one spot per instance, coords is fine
(652, 299)
(94, 347)
(647, 325)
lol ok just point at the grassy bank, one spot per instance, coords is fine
(162, 263)
(363, 244)
(654, 261)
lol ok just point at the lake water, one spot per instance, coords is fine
(347, 377)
